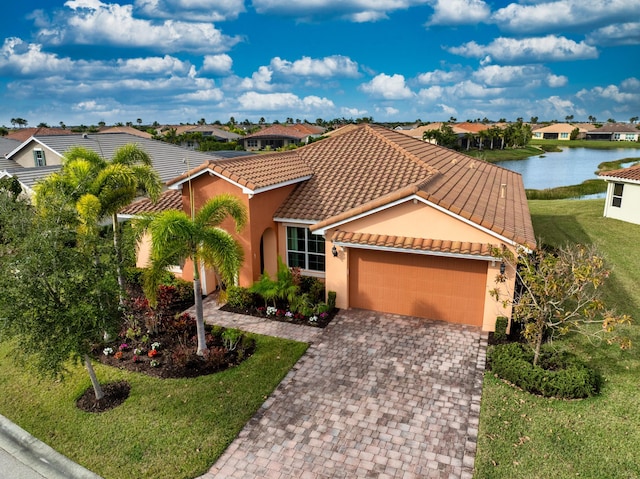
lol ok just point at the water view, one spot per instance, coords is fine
(569, 167)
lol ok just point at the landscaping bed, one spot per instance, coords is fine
(284, 315)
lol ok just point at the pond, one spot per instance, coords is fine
(570, 167)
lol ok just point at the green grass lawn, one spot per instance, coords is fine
(171, 428)
(525, 436)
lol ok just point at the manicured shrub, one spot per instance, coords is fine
(331, 299)
(558, 374)
(239, 297)
(500, 334)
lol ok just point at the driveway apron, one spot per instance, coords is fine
(375, 396)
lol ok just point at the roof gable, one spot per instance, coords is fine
(632, 173)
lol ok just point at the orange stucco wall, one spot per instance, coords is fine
(416, 220)
(260, 209)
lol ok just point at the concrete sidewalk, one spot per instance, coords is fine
(22, 456)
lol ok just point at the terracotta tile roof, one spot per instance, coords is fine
(169, 200)
(342, 130)
(126, 129)
(23, 134)
(631, 173)
(615, 128)
(257, 171)
(371, 166)
(469, 127)
(280, 131)
(353, 173)
(308, 128)
(407, 243)
(418, 132)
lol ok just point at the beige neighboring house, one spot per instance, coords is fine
(277, 136)
(417, 133)
(389, 222)
(623, 194)
(558, 131)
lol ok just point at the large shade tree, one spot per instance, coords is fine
(100, 188)
(177, 236)
(59, 289)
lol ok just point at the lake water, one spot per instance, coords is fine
(570, 167)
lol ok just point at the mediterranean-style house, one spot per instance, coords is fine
(615, 132)
(389, 222)
(558, 131)
(279, 136)
(623, 194)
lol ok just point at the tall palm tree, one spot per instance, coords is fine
(100, 188)
(177, 236)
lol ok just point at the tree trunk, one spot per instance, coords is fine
(536, 354)
(197, 293)
(97, 389)
(116, 247)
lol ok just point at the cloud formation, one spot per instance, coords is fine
(549, 48)
(327, 67)
(191, 10)
(387, 87)
(459, 12)
(92, 22)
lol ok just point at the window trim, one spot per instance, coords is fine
(39, 160)
(616, 198)
(308, 234)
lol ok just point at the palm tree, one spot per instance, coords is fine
(177, 236)
(100, 188)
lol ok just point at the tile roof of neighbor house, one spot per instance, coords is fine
(308, 128)
(279, 131)
(23, 134)
(418, 132)
(212, 131)
(615, 128)
(558, 128)
(470, 127)
(371, 166)
(126, 129)
(342, 130)
(30, 176)
(169, 200)
(631, 173)
(7, 145)
(167, 159)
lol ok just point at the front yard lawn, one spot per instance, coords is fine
(167, 428)
(525, 436)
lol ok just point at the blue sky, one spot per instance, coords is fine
(172, 61)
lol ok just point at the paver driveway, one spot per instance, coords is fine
(377, 395)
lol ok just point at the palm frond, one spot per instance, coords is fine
(131, 154)
(220, 250)
(218, 208)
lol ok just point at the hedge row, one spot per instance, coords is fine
(557, 374)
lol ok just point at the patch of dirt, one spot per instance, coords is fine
(114, 395)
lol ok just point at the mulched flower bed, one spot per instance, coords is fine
(114, 395)
(283, 315)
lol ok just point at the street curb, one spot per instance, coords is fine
(39, 456)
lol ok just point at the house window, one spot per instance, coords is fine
(252, 143)
(564, 136)
(304, 249)
(617, 194)
(616, 136)
(38, 157)
(630, 137)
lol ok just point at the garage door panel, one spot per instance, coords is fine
(449, 289)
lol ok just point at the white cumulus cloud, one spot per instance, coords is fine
(191, 10)
(618, 34)
(92, 22)
(459, 12)
(437, 77)
(254, 101)
(327, 67)
(219, 64)
(388, 87)
(560, 15)
(534, 49)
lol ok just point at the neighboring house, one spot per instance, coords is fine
(623, 194)
(126, 129)
(418, 133)
(39, 156)
(390, 223)
(615, 132)
(557, 131)
(24, 134)
(274, 137)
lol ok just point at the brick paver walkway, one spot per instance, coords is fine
(376, 396)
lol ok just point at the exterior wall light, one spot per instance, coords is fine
(334, 251)
(503, 268)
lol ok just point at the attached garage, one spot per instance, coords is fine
(435, 287)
